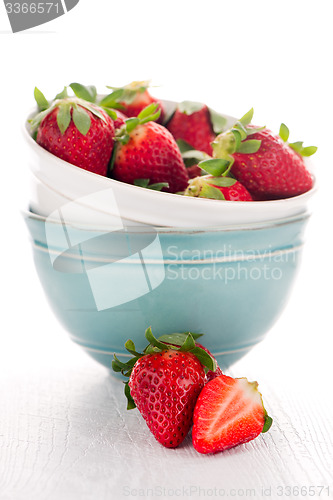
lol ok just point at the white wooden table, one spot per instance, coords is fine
(65, 432)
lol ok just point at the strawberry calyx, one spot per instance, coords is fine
(298, 145)
(183, 342)
(268, 422)
(69, 109)
(205, 186)
(267, 419)
(125, 94)
(149, 113)
(145, 183)
(191, 156)
(236, 140)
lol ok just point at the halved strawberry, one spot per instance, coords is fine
(228, 412)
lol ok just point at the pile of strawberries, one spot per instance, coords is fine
(176, 382)
(128, 136)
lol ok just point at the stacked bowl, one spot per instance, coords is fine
(114, 258)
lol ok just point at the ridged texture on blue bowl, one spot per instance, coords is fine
(106, 287)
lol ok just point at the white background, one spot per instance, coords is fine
(273, 55)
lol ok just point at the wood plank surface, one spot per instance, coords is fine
(65, 432)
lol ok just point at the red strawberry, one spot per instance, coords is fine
(268, 166)
(228, 412)
(217, 188)
(132, 99)
(120, 120)
(179, 339)
(147, 151)
(192, 123)
(164, 383)
(78, 132)
(193, 171)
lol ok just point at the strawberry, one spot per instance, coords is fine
(210, 373)
(178, 340)
(120, 120)
(193, 123)
(146, 151)
(193, 171)
(165, 382)
(266, 164)
(217, 188)
(228, 412)
(75, 130)
(132, 99)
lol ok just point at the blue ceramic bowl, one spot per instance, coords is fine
(107, 285)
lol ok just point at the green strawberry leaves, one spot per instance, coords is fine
(62, 95)
(64, 117)
(267, 424)
(121, 95)
(248, 147)
(178, 338)
(215, 166)
(191, 156)
(284, 132)
(188, 345)
(236, 140)
(41, 100)
(208, 186)
(296, 146)
(145, 183)
(221, 181)
(247, 118)
(70, 108)
(88, 93)
(211, 192)
(81, 119)
(112, 100)
(150, 113)
(183, 342)
(78, 112)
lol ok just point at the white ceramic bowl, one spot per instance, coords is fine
(146, 206)
(97, 209)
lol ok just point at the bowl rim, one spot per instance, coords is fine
(28, 214)
(281, 201)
